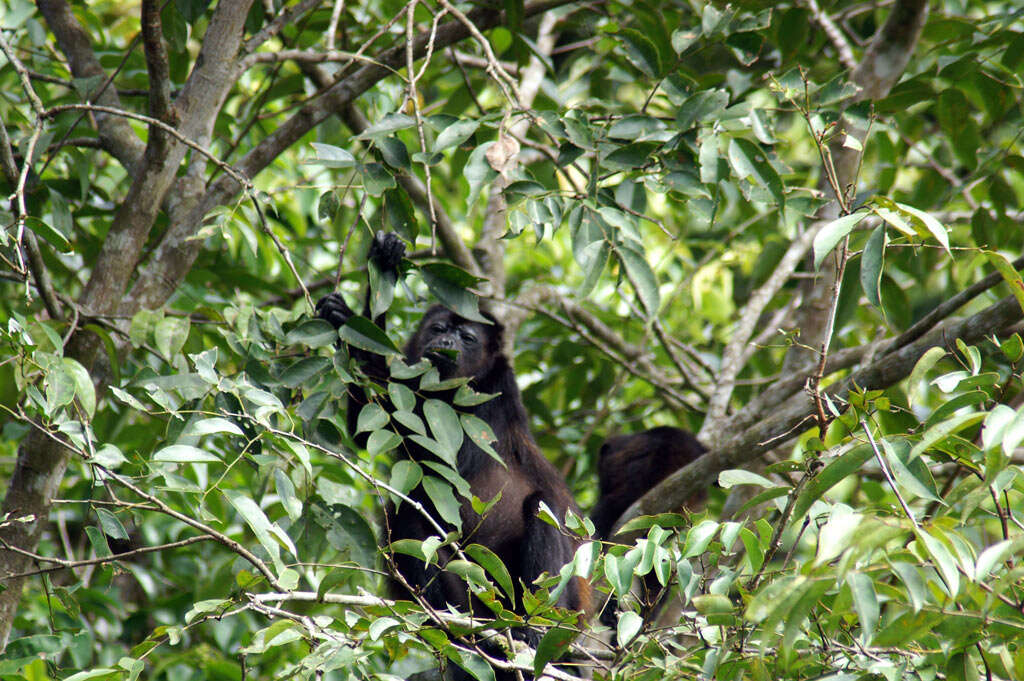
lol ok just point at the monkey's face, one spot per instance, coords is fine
(456, 346)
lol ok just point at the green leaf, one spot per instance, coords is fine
(365, 335)
(387, 125)
(906, 470)
(708, 156)
(371, 417)
(641, 51)
(931, 224)
(347, 531)
(400, 215)
(381, 625)
(410, 420)
(829, 476)
(377, 179)
(94, 674)
(185, 454)
(871, 265)
(440, 493)
(910, 575)
(478, 172)
(941, 431)
(313, 333)
(436, 448)
(286, 492)
(552, 646)
(865, 602)
(444, 425)
(701, 106)
(84, 389)
(304, 371)
(449, 283)
(401, 396)
(631, 156)
(748, 160)
(698, 537)
(258, 522)
(490, 562)
(382, 288)
(47, 233)
(928, 360)
(618, 573)
(710, 604)
(394, 152)
(405, 475)
(634, 126)
(331, 156)
(1013, 435)
(731, 478)
(995, 425)
(98, 541)
(479, 431)
(645, 522)
(112, 527)
(471, 662)
(834, 232)
(455, 134)
(1009, 274)
(382, 441)
(642, 278)
(170, 334)
(209, 426)
(1013, 348)
(944, 561)
(628, 627)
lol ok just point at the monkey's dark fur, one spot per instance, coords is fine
(459, 347)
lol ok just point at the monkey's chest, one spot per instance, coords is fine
(502, 522)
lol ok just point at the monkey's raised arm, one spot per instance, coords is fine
(386, 253)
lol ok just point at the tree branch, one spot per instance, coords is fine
(177, 251)
(835, 35)
(71, 564)
(490, 249)
(156, 65)
(881, 67)
(732, 356)
(118, 137)
(789, 418)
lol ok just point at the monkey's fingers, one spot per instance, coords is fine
(334, 309)
(387, 251)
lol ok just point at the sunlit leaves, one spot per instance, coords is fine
(832, 233)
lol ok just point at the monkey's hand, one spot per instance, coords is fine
(334, 309)
(387, 251)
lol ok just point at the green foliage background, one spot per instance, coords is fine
(672, 161)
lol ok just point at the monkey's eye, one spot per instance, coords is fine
(437, 327)
(468, 336)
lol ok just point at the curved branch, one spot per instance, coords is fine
(789, 418)
(732, 357)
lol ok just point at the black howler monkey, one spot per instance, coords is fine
(460, 347)
(628, 467)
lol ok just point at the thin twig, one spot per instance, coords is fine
(62, 564)
(332, 26)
